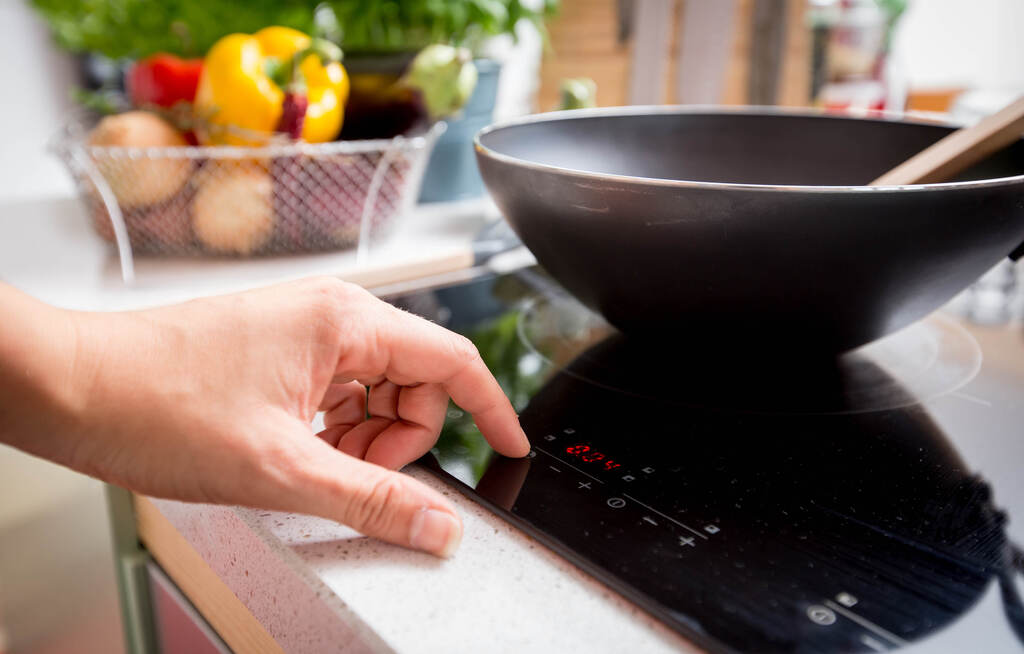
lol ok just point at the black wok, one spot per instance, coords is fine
(717, 224)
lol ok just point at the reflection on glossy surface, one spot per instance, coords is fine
(753, 525)
(803, 508)
(925, 360)
(503, 479)
(486, 311)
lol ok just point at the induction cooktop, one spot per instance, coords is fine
(768, 504)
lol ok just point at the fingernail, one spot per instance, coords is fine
(436, 532)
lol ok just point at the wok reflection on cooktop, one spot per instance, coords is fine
(927, 359)
(842, 520)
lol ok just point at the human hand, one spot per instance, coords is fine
(212, 401)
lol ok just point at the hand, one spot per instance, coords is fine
(212, 400)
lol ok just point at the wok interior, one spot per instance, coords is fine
(734, 147)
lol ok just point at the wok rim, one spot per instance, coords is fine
(647, 110)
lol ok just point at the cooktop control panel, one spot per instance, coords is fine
(669, 549)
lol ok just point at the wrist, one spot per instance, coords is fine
(42, 396)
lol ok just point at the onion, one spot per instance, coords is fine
(148, 180)
(233, 210)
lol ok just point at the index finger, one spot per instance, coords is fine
(408, 349)
(475, 390)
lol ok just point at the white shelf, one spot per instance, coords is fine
(48, 249)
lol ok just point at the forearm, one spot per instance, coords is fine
(40, 394)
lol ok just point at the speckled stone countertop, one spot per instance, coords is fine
(317, 586)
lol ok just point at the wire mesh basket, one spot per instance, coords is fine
(277, 198)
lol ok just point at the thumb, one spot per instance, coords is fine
(379, 502)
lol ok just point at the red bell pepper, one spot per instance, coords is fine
(163, 80)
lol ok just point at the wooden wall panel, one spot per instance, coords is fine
(584, 43)
(738, 70)
(795, 76)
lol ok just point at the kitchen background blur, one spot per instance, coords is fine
(957, 59)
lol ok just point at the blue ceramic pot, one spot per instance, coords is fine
(452, 173)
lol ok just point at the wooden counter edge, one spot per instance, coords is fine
(212, 598)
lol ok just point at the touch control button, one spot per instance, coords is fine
(846, 599)
(821, 615)
(616, 502)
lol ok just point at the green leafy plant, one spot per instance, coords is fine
(396, 25)
(137, 28)
(503, 351)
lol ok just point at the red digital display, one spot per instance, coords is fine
(587, 454)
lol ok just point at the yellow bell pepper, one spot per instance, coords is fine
(238, 87)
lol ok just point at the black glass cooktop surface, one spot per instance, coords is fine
(765, 505)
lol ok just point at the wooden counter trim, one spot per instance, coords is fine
(372, 275)
(226, 614)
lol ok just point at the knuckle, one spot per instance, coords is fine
(326, 292)
(463, 349)
(325, 289)
(328, 302)
(325, 284)
(373, 509)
